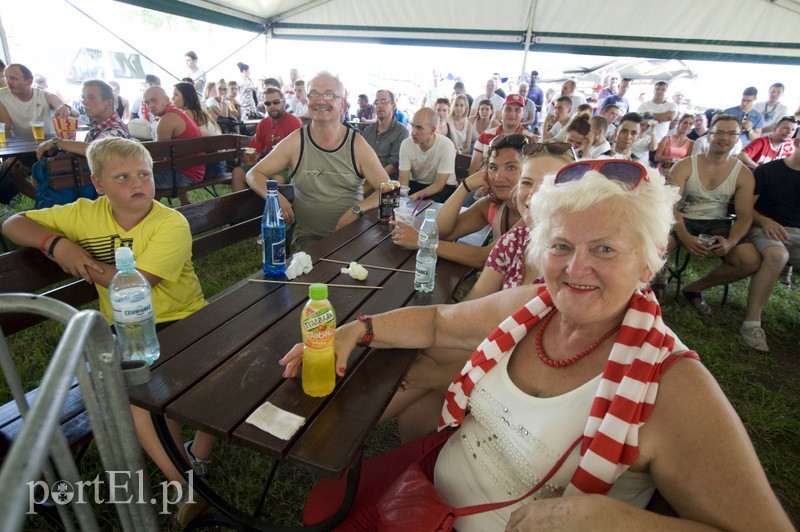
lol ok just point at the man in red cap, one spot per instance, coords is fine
(512, 123)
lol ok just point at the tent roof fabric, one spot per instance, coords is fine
(727, 30)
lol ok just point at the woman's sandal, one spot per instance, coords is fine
(697, 300)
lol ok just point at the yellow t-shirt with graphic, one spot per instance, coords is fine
(161, 244)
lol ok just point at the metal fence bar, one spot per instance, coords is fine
(86, 338)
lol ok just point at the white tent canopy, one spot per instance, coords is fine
(732, 30)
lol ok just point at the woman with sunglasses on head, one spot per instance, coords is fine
(496, 180)
(418, 403)
(577, 387)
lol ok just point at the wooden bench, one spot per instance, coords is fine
(173, 155)
(214, 224)
(72, 171)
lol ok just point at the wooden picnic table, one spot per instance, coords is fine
(221, 363)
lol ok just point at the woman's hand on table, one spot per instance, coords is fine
(346, 338)
(404, 235)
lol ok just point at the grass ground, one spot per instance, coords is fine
(764, 388)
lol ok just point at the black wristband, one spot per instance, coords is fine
(464, 183)
(52, 247)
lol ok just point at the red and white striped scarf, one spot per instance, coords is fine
(624, 398)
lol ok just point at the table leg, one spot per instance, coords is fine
(228, 515)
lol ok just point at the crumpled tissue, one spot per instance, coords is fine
(301, 263)
(356, 271)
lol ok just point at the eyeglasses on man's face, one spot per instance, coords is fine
(273, 102)
(724, 133)
(382, 101)
(327, 95)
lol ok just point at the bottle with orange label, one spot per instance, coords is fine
(318, 326)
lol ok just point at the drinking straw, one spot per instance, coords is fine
(414, 212)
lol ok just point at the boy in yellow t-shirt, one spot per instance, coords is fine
(83, 236)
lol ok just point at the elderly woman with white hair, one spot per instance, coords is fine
(577, 387)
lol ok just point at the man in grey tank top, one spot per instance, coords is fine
(708, 183)
(328, 163)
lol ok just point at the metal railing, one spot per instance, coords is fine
(41, 444)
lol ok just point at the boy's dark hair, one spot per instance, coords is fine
(191, 55)
(631, 117)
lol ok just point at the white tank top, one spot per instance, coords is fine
(699, 203)
(22, 113)
(510, 441)
(460, 136)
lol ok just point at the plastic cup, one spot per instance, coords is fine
(250, 156)
(405, 215)
(706, 240)
(2, 132)
(38, 130)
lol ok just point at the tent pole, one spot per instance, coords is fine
(528, 36)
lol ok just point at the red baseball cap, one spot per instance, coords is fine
(515, 99)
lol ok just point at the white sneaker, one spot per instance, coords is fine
(755, 337)
(199, 465)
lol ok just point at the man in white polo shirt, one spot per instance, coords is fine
(427, 159)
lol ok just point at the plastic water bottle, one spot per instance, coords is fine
(132, 307)
(425, 273)
(273, 233)
(318, 326)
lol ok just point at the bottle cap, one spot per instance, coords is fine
(318, 291)
(124, 258)
(272, 184)
(430, 213)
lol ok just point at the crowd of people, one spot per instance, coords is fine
(585, 200)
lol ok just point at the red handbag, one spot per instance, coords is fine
(412, 504)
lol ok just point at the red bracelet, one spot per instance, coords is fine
(44, 240)
(366, 319)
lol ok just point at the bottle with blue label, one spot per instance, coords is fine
(273, 234)
(428, 241)
(132, 308)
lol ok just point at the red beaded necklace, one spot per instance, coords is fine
(571, 360)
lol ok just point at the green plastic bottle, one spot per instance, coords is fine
(318, 326)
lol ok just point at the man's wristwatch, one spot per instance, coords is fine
(356, 209)
(55, 142)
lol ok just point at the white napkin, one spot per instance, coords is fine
(356, 271)
(276, 421)
(300, 264)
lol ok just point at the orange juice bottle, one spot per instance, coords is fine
(318, 326)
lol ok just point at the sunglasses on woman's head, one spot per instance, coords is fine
(629, 173)
(516, 140)
(553, 148)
